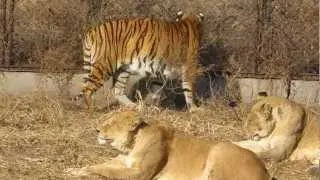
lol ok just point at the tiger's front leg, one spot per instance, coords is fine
(85, 97)
(92, 83)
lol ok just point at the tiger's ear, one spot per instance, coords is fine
(201, 17)
(179, 15)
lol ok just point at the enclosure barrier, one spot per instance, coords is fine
(304, 91)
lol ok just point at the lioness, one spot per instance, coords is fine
(280, 129)
(150, 151)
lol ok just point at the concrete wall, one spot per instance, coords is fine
(55, 84)
(22, 83)
(27, 82)
(305, 91)
(301, 91)
(249, 88)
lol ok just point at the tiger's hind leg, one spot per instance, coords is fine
(187, 93)
(188, 89)
(120, 84)
(93, 82)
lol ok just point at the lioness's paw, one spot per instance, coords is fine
(77, 171)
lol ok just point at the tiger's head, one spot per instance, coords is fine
(180, 16)
(119, 130)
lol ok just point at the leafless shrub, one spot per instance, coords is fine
(289, 43)
(49, 32)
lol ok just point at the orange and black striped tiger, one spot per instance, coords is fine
(145, 47)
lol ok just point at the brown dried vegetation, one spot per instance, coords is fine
(40, 136)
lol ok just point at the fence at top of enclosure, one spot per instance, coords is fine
(258, 38)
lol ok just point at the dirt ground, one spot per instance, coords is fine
(42, 136)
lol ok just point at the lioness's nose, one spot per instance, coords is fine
(97, 130)
(256, 137)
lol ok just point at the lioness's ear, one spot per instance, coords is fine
(138, 121)
(266, 109)
(279, 113)
(261, 95)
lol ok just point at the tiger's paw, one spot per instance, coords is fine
(195, 109)
(78, 100)
(82, 101)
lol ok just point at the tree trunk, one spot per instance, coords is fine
(10, 32)
(95, 7)
(3, 30)
(264, 10)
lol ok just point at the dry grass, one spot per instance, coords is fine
(40, 136)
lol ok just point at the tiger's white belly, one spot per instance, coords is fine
(154, 68)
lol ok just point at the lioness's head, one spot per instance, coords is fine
(261, 120)
(119, 130)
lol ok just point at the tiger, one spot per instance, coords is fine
(147, 47)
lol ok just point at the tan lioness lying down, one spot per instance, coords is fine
(150, 151)
(280, 129)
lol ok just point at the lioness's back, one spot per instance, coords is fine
(186, 155)
(191, 158)
(233, 162)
